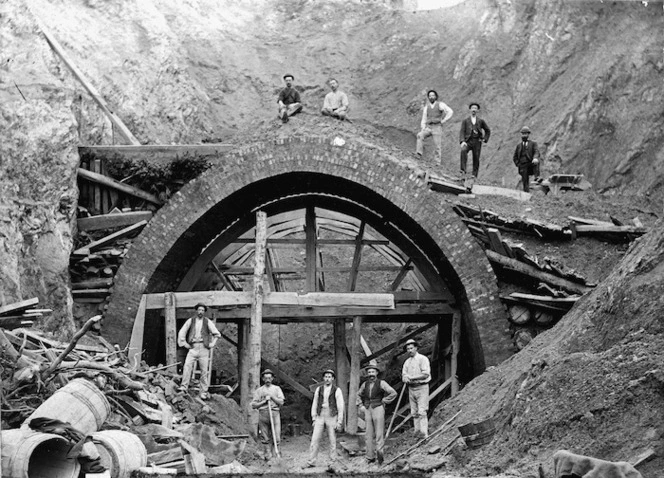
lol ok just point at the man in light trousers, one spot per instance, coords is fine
(416, 374)
(327, 410)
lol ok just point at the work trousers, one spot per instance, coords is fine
(435, 130)
(200, 354)
(419, 406)
(375, 432)
(290, 110)
(265, 429)
(474, 146)
(340, 112)
(325, 419)
(525, 172)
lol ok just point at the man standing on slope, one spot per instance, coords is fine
(526, 158)
(289, 100)
(416, 374)
(327, 410)
(474, 131)
(432, 124)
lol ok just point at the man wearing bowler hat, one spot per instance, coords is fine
(474, 131)
(373, 395)
(416, 374)
(268, 398)
(327, 410)
(199, 335)
(526, 158)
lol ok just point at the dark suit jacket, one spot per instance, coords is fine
(532, 151)
(467, 129)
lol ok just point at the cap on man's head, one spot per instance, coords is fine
(329, 370)
(525, 129)
(474, 103)
(370, 366)
(266, 372)
(200, 304)
(432, 91)
(289, 76)
(409, 342)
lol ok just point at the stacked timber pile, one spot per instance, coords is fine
(139, 408)
(21, 314)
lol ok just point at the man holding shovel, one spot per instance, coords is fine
(268, 398)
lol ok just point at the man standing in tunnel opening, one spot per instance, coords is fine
(474, 131)
(268, 398)
(199, 335)
(432, 124)
(327, 410)
(416, 374)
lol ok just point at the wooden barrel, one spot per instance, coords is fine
(478, 434)
(29, 454)
(80, 403)
(519, 314)
(121, 452)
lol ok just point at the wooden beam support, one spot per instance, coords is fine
(357, 257)
(96, 245)
(171, 330)
(341, 361)
(136, 342)
(354, 384)
(21, 305)
(395, 344)
(401, 275)
(311, 256)
(113, 220)
(320, 242)
(122, 187)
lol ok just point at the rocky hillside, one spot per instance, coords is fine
(583, 75)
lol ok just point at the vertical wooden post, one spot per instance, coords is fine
(253, 362)
(357, 257)
(354, 375)
(311, 256)
(170, 329)
(97, 191)
(456, 339)
(341, 361)
(136, 342)
(241, 367)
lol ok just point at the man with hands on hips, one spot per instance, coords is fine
(327, 410)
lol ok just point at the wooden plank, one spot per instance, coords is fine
(439, 184)
(170, 330)
(136, 342)
(310, 257)
(434, 394)
(342, 364)
(583, 229)
(122, 187)
(357, 257)
(239, 270)
(165, 456)
(484, 190)
(581, 220)
(95, 167)
(90, 293)
(401, 275)
(110, 221)
(496, 241)
(111, 238)
(537, 274)
(545, 298)
(354, 374)
(320, 242)
(92, 284)
(395, 344)
(310, 299)
(17, 306)
(57, 48)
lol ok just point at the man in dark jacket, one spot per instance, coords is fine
(327, 410)
(373, 395)
(289, 100)
(526, 158)
(474, 131)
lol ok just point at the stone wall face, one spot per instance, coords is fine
(167, 247)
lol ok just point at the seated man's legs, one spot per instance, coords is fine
(327, 112)
(293, 109)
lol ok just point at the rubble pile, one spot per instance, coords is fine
(76, 393)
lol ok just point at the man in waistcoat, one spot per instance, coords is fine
(416, 374)
(526, 158)
(336, 102)
(268, 397)
(474, 131)
(199, 335)
(327, 411)
(373, 395)
(289, 100)
(434, 115)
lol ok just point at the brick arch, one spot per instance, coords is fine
(344, 171)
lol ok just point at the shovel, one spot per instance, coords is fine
(274, 436)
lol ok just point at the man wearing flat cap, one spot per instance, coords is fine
(416, 374)
(289, 99)
(268, 399)
(199, 335)
(474, 131)
(526, 158)
(434, 115)
(373, 395)
(327, 411)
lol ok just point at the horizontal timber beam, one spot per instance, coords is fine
(110, 221)
(320, 242)
(163, 152)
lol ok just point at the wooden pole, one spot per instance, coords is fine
(354, 385)
(170, 329)
(311, 257)
(122, 187)
(456, 339)
(341, 361)
(136, 342)
(253, 364)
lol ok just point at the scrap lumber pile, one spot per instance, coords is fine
(175, 428)
(614, 231)
(21, 314)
